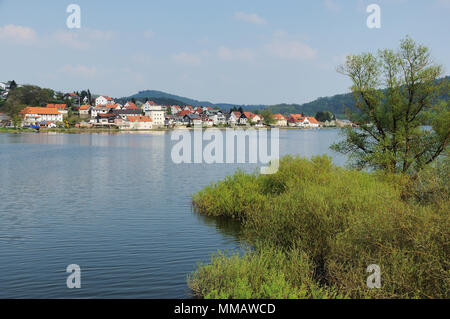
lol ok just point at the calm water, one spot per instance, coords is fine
(117, 206)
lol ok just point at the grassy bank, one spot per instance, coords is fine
(316, 227)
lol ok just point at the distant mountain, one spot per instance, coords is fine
(156, 96)
(335, 104)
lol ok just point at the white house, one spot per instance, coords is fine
(140, 123)
(40, 115)
(156, 113)
(103, 100)
(234, 118)
(279, 119)
(151, 106)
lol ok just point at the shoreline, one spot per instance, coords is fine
(116, 131)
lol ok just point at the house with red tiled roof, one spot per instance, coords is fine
(130, 105)
(62, 108)
(233, 118)
(280, 119)
(139, 122)
(298, 120)
(250, 118)
(84, 110)
(40, 115)
(104, 100)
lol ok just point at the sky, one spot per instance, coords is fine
(239, 52)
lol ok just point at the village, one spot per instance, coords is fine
(105, 112)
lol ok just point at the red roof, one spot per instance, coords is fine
(40, 110)
(249, 115)
(60, 107)
(279, 117)
(237, 114)
(139, 119)
(85, 107)
(312, 120)
(296, 118)
(183, 113)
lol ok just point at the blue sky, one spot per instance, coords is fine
(243, 52)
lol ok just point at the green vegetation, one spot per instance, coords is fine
(389, 135)
(268, 117)
(323, 116)
(315, 228)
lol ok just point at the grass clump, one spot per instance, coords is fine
(316, 227)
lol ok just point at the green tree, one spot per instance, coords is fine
(395, 93)
(324, 116)
(16, 120)
(268, 117)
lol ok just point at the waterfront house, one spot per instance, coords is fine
(313, 122)
(157, 114)
(107, 119)
(140, 122)
(233, 118)
(250, 118)
(296, 120)
(125, 113)
(62, 108)
(192, 119)
(40, 115)
(279, 120)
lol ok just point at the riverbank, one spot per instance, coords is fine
(317, 227)
(115, 130)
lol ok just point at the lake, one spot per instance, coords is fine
(116, 205)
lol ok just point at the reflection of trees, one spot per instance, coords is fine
(225, 226)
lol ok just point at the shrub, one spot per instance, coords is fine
(330, 223)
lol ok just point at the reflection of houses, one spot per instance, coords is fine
(40, 115)
(279, 120)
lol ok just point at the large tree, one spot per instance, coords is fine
(396, 93)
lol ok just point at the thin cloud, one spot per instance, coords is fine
(189, 59)
(250, 18)
(285, 48)
(225, 53)
(84, 39)
(18, 34)
(78, 70)
(332, 5)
